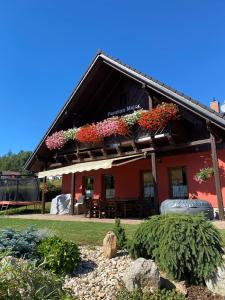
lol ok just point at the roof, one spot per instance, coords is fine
(160, 87)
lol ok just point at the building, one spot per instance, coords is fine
(143, 167)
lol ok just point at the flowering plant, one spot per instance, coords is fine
(122, 127)
(88, 134)
(70, 134)
(158, 117)
(133, 118)
(107, 127)
(152, 120)
(112, 126)
(204, 174)
(56, 140)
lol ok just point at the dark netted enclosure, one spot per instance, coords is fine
(18, 190)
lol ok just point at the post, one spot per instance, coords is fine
(43, 197)
(154, 166)
(73, 177)
(217, 176)
(155, 183)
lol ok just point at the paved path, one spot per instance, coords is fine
(219, 224)
(75, 218)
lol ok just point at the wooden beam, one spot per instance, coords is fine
(217, 176)
(118, 149)
(150, 101)
(185, 145)
(134, 146)
(155, 181)
(90, 154)
(73, 177)
(44, 180)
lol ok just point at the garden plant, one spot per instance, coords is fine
(185, 247)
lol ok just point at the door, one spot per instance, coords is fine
(88, 186)
(147, 189)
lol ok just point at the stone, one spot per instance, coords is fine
(216, 283)
(110, 245)
(166, 283)
(143, 274)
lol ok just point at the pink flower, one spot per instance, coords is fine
(56, 140)
(112, 126)
(107, 127)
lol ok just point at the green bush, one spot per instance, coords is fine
(186, 247)
(156, 295)
(21, 280)
(20, 243)
(58, 255)
(120, 234)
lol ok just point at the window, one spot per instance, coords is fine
(109, 185)
(178, 183)
(88, 187)
(148, 186)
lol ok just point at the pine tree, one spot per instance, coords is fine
(120, 234)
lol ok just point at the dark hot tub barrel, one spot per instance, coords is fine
(186, 206)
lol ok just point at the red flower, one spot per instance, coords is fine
(88, 134)
(122, 127)
(158, 117)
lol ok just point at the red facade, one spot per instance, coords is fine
(128, 178)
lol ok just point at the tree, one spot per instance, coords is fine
(14, 162)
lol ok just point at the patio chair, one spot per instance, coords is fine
(79, 207)
(110, 208)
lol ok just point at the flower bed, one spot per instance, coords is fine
(151, 120)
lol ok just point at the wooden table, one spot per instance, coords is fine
(128, 205)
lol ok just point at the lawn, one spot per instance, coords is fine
(23, 210)
(79, 232)
(82, 233)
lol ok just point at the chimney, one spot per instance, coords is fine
(215, 105)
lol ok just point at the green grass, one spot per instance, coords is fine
(24, 210)
(82, 233)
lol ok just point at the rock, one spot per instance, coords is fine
(143, 274)
(165, 283)
(216, 283)
(110, 245)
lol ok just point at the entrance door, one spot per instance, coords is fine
(147, 187)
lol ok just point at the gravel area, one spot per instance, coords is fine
(98, 277)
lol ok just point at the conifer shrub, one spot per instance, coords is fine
(20, 243)
(186, 247)
(58, 255)
(156, 295)
(120, 234)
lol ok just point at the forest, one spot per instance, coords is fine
(14, 161)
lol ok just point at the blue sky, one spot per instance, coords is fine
(46, 45)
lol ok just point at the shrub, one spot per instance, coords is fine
(156, 295)
(186, 247)
(20, 280)
(20, 243)
(58, 255)
(120, 234)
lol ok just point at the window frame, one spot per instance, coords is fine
(104, 186)
(170, 181)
